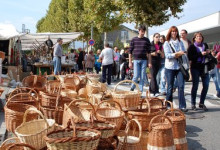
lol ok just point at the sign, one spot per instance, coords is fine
(91, 42)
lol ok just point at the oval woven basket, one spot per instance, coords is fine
(129, 100)
(76, 138)
(34, 81)
(111, 113)
(32, 132)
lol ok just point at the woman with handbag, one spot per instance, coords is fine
(197, 54)
(174, 49)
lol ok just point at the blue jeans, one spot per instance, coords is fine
(170, 75)
(57, 65)
(195, 81)
(139, 72)
(218, 76)
(107, 71)
(162, 79)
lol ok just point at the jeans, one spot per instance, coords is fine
(139, 72)
(195, 81)
(218, 76)
(153, 82)
(57, 65)
(214, 77)
(104, 69)
(161, 79)
(171, 74)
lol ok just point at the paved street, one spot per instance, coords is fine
(203, 131)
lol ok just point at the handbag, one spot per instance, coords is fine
(183, 70)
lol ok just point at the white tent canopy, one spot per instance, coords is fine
(7, 31)
(31, 41)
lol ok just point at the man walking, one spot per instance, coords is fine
(57, 56)
(139, 48)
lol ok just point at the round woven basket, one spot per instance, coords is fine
(72, 82)
(14, 113)
(144, 116)
(160, 134)
(26, 90)
(32, 132)
(110, 111)
(76, 138)
(131, 142)
(68, 93)
(79, 110)
(129, 100)
(82, 93)
(34, 81)
(9, 142)
(179, 125)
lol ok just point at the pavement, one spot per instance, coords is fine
(203, 128)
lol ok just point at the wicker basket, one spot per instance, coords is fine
(94, 77)
(76, 110)
(68, 93)
(53, 86)
(25, 98)
(19, 146)
(14, 113)
(33, 132)
(82, 93)
(144, 116)
(160, 134)
(30, 91)
(111, 112)
(9, 142)
(34, 81)
(78, 138)
(91, 86)
(179, 124)
(129, 100)
(131, 142)
(72, 82)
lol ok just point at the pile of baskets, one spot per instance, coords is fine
(71, 118)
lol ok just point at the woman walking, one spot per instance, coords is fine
(174, 49)
(156, 55)
(90, 61)
(197, 53)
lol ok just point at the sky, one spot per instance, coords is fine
(28, 12)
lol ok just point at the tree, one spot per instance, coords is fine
(118, 43)
(149, 12)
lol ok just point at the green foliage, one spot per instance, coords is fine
(118, 44)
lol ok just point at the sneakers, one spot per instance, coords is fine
(151, 95)
(203, 107)
(194, 107)
(156, 94)
(184, 109)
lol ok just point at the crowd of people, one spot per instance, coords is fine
(171, 60)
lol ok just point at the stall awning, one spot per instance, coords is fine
(8, 31)
(31, 41)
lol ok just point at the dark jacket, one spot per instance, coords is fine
(193, 56)
(153, 49)
(123, 58)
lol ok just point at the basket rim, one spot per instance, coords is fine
(72, 139)
(52, 121)
(110, 126)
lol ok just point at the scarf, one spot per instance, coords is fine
(197, 45)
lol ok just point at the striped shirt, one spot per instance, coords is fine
(139, 48)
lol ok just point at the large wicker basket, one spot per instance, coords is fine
(144, 116)
(160, 134)
(72, 82)
(9, 142)
(78, 138)
(76, 110)
(14, 113)
(111, 112)
(34, 81)
(129, 100)
(32, 132)
(29, 91)
(131, 142)
(179, 125)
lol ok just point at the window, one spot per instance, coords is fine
(124, 35)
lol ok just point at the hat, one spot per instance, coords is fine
(59, 39)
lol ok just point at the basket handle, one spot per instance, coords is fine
(75, 101)
(73, 126)
(148, 94)
(148, 105)
(157, 99)
(58, 95)
(155, 118)
(174, 111)
(35, 80)
(108, 101)
(127, 81)
(171, 104)
(20, 144)
(26, 94)
(35, 110)
(23, 88)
